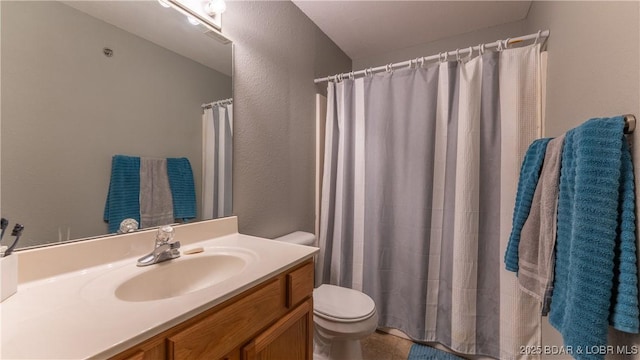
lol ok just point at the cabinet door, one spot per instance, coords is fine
(215, 335)
(150, 350)
(291, 338)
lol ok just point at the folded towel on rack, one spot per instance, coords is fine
(596, 280)
(124, 191)
(182, 187)
(156, 204)
(529, 174)
(538, 236)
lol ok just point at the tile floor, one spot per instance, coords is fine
(382, 346)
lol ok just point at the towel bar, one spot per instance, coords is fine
(629, 123)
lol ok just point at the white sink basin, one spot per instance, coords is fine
(172, 278)
(175, 278)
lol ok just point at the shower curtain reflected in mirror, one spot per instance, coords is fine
(217, 158)
(420, 172)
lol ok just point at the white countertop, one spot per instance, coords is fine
(76, 315)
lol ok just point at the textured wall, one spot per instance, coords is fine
(278, 52)
(593, 59)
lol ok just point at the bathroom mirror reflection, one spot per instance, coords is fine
(83, 81)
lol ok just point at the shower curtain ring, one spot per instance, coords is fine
(389, 68)
(422, 62)
(457, 54)
(537, 37)
(506, 43)
(481, 46)
(470, 53)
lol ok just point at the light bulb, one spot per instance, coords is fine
(163, 3)
(215, 7)
(193, 21)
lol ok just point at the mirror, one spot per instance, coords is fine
(83, 81)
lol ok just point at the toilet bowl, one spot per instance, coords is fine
(341, 316)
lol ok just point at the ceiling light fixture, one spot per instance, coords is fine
(195, 9)
(215, 7)
(195, 12)
(164, 3)
(193, 21)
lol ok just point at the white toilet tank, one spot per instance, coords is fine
(298, 237)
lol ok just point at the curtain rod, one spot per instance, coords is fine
(500, 44)
(219, 102)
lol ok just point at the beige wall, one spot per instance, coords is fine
(593, 71)
(66, 109)
(278, 52)
(593, 59)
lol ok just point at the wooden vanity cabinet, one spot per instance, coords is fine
(273, 320)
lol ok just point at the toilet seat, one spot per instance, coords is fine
(340, 304)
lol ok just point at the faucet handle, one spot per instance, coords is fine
(165, 234)
(128, 225)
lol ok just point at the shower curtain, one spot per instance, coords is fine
(419, 182)
(217, 158)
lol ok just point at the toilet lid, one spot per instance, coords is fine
(342, 304)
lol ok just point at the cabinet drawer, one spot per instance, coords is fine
(299, 284)
(137, 356)
(152, 349)
(221, 332)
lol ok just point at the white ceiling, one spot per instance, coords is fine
(162, 26)
(366, 28)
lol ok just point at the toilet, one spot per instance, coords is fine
(341, 316)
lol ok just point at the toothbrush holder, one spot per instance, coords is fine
(8, 276)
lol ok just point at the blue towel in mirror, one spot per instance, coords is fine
(124, 191)
(182, 187)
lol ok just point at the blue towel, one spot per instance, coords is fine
(182, 188)
(596, 280)
(123, 198)
(529, 174)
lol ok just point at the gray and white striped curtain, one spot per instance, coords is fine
(217, 157)
(420, 174)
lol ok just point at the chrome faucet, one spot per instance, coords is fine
(164, 248)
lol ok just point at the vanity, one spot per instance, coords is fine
(272, 320)
(241, 297)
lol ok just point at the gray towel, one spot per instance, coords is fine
(156, 203)
(538, 238)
